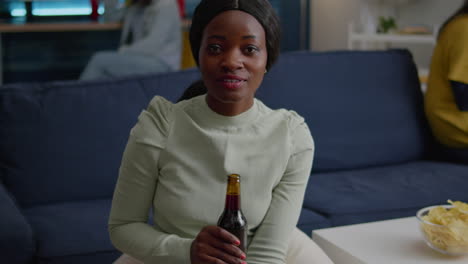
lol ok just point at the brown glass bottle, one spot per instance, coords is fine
(232, 219)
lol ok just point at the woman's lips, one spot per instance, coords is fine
(231, 82)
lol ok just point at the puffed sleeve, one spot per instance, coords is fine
(270, 242)
(134, 192)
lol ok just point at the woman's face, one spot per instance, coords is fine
(232, 59)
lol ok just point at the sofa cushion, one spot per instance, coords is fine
(363, 108)
(63, 141)
(386, 188)
(72, 228)
(95, 257)
(16, 236)
(310, 220)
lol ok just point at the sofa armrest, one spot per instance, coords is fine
(16, 237)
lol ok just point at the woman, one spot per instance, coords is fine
(178, 155)
(446, 99)
(151, 41)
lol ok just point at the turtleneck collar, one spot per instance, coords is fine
(214, 119)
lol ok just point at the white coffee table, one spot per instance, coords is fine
(391, 241)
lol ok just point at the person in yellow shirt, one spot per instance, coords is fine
(446, 98)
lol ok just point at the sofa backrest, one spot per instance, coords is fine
(63, 141)
(364, 108)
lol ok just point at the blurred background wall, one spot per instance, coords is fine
(330, 19)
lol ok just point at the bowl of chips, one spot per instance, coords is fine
(445, 227)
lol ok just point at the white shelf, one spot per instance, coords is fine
(365, 37)
(365, 40)
(395, 38)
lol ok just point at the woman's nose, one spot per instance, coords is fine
(232, 60)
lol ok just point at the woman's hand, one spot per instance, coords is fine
(214, 245)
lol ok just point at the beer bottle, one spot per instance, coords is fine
(232, 218)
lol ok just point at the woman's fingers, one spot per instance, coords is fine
(205, 254)
(216, 245)
(216, 256)
(222, 234)
(231, 249)
(231, 242)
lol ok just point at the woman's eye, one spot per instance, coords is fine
(214, 49)
(251, 49)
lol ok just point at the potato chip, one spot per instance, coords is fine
(461, 206)
(449, 228)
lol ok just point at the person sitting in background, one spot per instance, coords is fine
(178, 155)
(151, 41)
(446, 98)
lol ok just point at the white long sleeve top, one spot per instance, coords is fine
(176, 162)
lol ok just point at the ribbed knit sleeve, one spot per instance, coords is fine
(134, 192)
(270, 242)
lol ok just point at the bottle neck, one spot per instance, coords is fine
(233, 193)
(232, 202)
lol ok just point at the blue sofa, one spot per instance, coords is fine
(61, 145)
